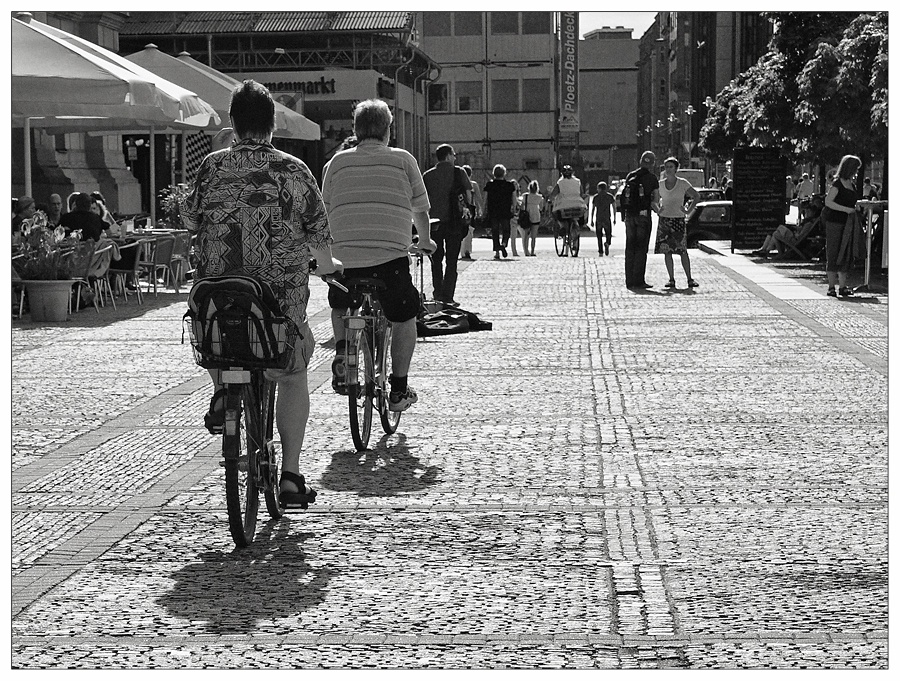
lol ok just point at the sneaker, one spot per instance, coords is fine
(606, 248)
(503, 251)
(339, 375)
(693, 284)
(496, 256)
(402, 401)
(831, 292)
(644, 285)
(845, 291)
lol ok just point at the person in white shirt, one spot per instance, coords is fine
(676, 198)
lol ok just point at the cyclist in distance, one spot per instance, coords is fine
(567, 194)
(373, 194)
(257, 211)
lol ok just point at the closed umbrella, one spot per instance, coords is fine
(216, 88)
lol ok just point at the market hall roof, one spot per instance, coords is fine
(185, 23)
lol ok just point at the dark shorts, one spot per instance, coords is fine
(400, 301)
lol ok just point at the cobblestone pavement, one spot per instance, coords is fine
(608, 479)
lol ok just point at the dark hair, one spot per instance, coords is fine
(534, 187)
(252, 109)
(97, 196)
(443, 151)
(372, 119)
(672, 159)
(468, 170)
(499, 170)
(83, 201)
(602, 186)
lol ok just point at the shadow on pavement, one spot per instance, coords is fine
(383, 471)
(90, 318)
(231, 593)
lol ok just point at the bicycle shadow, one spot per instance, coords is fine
(231, 593)
(387, 469)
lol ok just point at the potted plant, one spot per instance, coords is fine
(45, 269)
(171, 199)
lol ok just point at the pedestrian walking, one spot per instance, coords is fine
(268, 232)
(374, 194)
(640, 196)
(676, 199)
(603, 217)
(841, 226)
(478, 201)
(445, 184)
(500, 206)
(532, 207)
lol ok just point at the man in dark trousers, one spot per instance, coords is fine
(444, 183)
(643, 187)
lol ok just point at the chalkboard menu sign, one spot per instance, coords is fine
(758, 195)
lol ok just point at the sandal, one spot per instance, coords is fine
(671, 284)
(214, 419)
(298, 498)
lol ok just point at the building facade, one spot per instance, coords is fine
(496, 98)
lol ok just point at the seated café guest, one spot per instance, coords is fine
(54, 211)
(98, 206)
(790, 233)
(82, 218)
(24, 210)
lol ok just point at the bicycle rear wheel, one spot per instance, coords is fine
(389, 419)
(574, 240)
(261, 421)
(241, 490)
(559, 238)
(361, 388)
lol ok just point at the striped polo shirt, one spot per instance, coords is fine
(371, 193)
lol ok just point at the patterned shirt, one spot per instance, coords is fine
(256, 211)
(371, 192)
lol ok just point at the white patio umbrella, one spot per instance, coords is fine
(216, 88)
(56, 75)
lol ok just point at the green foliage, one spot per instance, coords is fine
(818, 93)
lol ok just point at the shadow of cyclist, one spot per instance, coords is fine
(241, 591)
(385, 470)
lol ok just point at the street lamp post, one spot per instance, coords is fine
(672, 119)
(689, 145)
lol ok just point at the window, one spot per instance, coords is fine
(504, 22)
(438, 99)
(504, 95)
(467, 23)
(468, 95)
(536, 94)
(536, 22)
(436, 23)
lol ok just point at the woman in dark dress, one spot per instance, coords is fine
(840, 204)
(501, 206)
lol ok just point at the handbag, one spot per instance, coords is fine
(524, 218)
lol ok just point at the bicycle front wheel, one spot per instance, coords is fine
(361, 391)
(560, 240)
(241, 490)
(389, 419)
(575, 240)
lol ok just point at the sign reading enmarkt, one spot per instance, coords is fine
(569, 123)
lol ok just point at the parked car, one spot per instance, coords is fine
(709, 221)
(710, 194)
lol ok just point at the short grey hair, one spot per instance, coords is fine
(372, 119)
(648, 158)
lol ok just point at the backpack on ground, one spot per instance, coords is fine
(236, 320)
(633, 199)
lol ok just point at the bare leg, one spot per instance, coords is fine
(686, 264)
(403, 344)
(291, 416)
(670, 266)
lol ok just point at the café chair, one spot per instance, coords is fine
(99, 274)
(181, 259)
(80, 259)
(131, 255)
(158, 262)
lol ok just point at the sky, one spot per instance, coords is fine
(639, 21)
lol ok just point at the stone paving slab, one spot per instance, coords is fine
(608, 479)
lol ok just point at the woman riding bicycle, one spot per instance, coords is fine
(567, 194)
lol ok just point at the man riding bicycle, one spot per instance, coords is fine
(373, 194)
(567, 194)
(258, 212)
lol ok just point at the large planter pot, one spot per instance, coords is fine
(48, 300)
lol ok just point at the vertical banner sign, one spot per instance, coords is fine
(568, 80)
(758, 195)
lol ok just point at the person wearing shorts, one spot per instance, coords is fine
(374, 194)
(268, 233)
